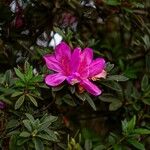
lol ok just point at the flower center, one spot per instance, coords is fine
(73, 78)
(74, 81)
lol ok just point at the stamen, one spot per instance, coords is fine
(74, 81)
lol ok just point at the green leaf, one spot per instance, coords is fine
(112, 2)
(27, 125)
(13, 143)
(100, 147)
(106, 97)
(69, 100)
(19, 74)
(20, 83)
(88, 144)
(19, 102)
(30, 117)
(131, 124)
(12, 123)
(51, 137)
(26, 66)
(115, 105)
(36, 79)
(117, 78)
(52, 134)
(6, 91)
(127, 10)
(109, 66)
(136, 94)
(146, 101)
(139, 5)
(15, 94)
(25, 134)
(72, 89)
(117, 147)
(136, 144)
(144, 83)
(147, 62)
(44, 125)
(46, 122)
(22, 141)
(112, 138)
(38, 144)
(58, 88)
(90, 101)
(52, 118)
(58, 100)
(124, 126)
(81, 96)
(113, 85)
(141, 131)
(8, 75)
(32, 99)
(15, 132)
(146, 41)
(29, 73)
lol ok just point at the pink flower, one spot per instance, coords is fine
(75, 67)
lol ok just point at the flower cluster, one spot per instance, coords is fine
(76, 67)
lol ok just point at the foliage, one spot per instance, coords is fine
(36, 116)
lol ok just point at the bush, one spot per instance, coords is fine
(55, 95)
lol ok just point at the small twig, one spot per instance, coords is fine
(136, 56)
(22, 45)
(140, 12)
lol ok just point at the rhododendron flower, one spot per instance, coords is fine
(76, 67)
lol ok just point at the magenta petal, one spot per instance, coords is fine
(62, 51)
(86, 59)
(54, 79)
(63, 55)
(52, 63)
(75, 59)
(96, 67)
(87, 56)
(90, 87)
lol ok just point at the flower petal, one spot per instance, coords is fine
(86, 59)
(63, 55)
(52, 63)
(54, 79)
(62, 51)
(96, 67)
(101, 75)
(87, 56)
(90, 87)
(75, 60)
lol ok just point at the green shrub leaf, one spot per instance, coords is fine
(144, 83)
(115, 105)
(90, 101)
(19, 102)
(136, 144)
